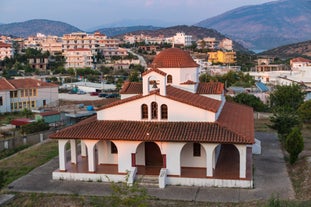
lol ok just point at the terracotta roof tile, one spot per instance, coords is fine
(132, 88)
(30, 83)
(238, 118)
(210, 88)
(154, 70)
(6, 85)
(174, 58)
(300, 59)
(152, 131)
(192, 99)
(188, 82)
(176, 94)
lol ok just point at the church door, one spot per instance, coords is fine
(153, 154)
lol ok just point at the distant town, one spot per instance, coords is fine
(154, 110)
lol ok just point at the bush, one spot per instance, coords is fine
(294, 144)
(33, 127)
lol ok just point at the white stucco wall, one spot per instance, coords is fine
(140, 154)
(177, 111)
(104, 153)
(48, 94)
(188, 160)
(181, 75)
(5, 107)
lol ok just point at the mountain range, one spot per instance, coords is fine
(32, 27)
(267, 25)
(257, 27)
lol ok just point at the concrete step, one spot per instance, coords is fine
(147, 180)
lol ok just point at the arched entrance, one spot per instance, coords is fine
(228, 163)
(153, 156)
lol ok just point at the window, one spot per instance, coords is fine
(22, 93)
(35, 92)
(13, 94)
(154, 110)
(44, 102)
(196, 149)
(1, 101)
(144, 111)
(163, 111)
(113, 148)
(169, 79)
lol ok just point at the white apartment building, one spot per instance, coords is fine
(182, 39)
(80, 40)
(78, 58)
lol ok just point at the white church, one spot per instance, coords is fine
(169, 127)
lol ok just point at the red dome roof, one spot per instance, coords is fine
(174, 58)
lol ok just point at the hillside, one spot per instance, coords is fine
(267, 25)
(196, 32)
(123, 30)
(290, 51)
(32, 27)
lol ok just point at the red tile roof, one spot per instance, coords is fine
(238, 118)
(179, 95)
(49, 113)
(132, 88)
(5, 84)
(154, 70)
(188, 82)
(153, 131)
(30, 83)
(174, 58)
(2, 44)
(195, 100)
(210, 88)
(300, 59)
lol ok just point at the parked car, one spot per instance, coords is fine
(103, 95)
(94, 93)
(81, 92)
(113, 95)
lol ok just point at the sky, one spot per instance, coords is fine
(86, 14)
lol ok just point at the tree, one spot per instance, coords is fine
(304, 111)
(294, 144)
(134, 76)
(289, 97)
(250, 100)
(283, 122)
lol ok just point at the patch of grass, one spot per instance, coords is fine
(261, 125)
(18, 166)
(8, 152)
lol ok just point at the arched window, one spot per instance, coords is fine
(169, 79)
(163, 111)
(154, 110)
(144, 111)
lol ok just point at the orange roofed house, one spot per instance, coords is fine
(28, 93)
(170, 126)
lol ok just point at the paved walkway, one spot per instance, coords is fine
(270, 177)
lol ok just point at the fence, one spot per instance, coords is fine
(30, 139)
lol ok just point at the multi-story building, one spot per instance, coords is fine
(207, 43)
(80, 40)
(19, 94)
(226, 44)
(53, 44)
(38, 63)
(222, 57)
(78, 58)
(6, 50)
(182, 39)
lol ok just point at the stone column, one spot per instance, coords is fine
(210, 158)
(243, 156)
(73, 151)
(83, 149)
(90, 144)
(62, 154)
